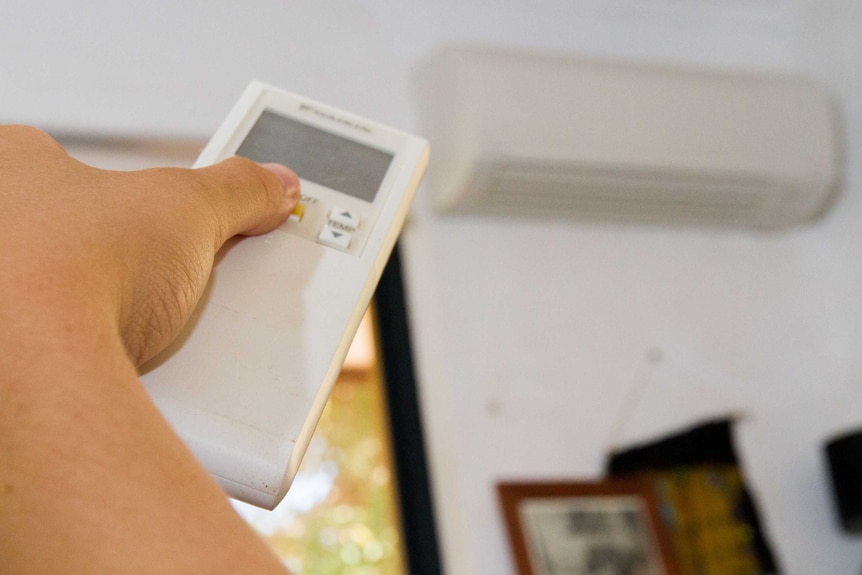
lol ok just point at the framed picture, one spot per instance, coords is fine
(585, 528)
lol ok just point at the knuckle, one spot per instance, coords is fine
(245, 192)
(251, 181)
(29, 138)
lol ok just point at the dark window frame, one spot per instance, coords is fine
(405, 420)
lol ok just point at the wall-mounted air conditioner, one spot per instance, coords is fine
(547, 135)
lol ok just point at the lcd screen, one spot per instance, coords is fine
(316, 155)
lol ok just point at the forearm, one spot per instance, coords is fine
(92, 479)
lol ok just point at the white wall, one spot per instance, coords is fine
(540, 344)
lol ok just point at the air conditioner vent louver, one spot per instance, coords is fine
(527, 134)
(558, 190)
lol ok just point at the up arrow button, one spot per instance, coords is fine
(344, 219)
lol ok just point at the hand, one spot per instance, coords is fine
(134, 247)
(99, 271)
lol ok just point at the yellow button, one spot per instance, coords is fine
(297, 213)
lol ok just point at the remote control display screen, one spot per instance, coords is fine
(317, 155)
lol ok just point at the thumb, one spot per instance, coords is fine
(248, 198)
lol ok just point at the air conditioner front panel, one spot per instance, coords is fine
(529, 134)
(518, 187)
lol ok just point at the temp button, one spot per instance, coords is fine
(335, 238)
(346, 218)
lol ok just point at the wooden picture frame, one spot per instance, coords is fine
(582, 528)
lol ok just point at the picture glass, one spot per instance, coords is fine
(589, 536)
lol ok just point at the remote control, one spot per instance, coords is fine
(245, 383)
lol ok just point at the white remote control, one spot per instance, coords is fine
(246, 382)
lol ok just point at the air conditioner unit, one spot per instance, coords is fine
(549, 135)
